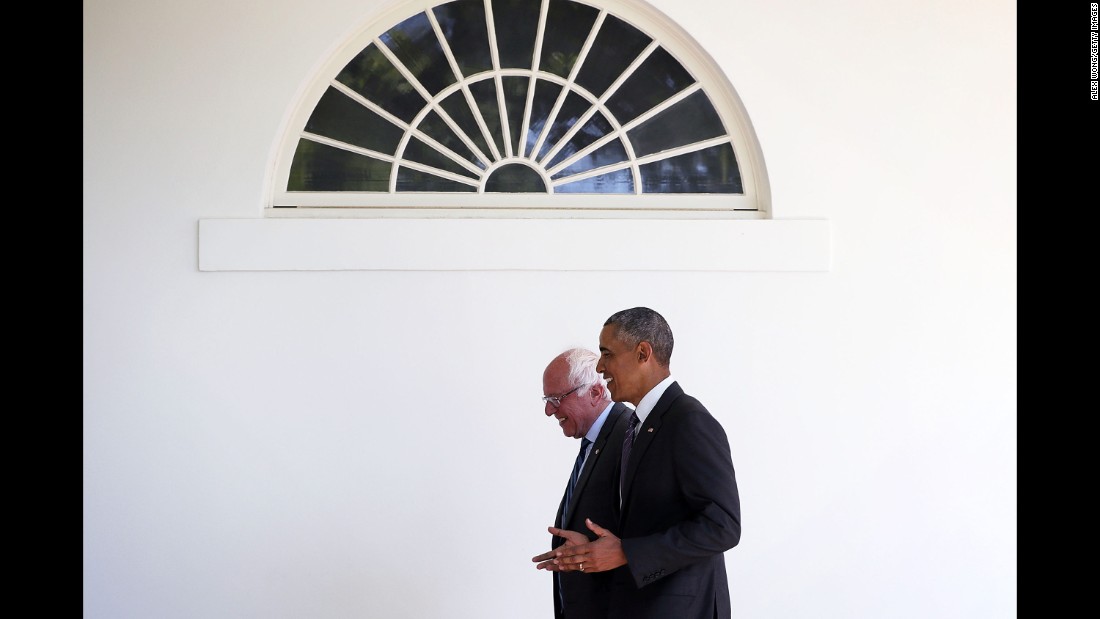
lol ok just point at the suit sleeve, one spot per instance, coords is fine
(703, 469)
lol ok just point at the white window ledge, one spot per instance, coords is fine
(273, 244)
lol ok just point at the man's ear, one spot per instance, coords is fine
(645, 351)
(595, 391)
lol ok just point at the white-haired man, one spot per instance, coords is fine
(577, 398)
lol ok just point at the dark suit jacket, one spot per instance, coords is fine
(680, 513)
(597, 497)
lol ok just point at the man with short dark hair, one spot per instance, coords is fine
(680, 509)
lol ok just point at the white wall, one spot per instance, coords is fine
(371, 444)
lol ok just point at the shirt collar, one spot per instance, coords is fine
(594, 431)
(645, 407)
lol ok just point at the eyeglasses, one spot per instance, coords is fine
(556, 399)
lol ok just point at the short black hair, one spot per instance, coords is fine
(639, 324)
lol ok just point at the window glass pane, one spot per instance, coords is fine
(422, 46)
(319, 167)
(687, 122)
(371, 75)
(571, 110)
(463, 25)
(515, 100)
(567, 28)
(420, 152)
(546, 94)
(617, 45)
(435, 128)
(339, 117)
(712, 170)
(485, 95)
(415, 180)
(619, 181)
(515, 178)
(610, 153)
(594, 129)
(414, 43)
(459, 111)
(516, 23)
(659, 77)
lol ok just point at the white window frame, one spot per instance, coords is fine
(753, 203)
(447, 232)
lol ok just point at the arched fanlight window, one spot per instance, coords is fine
(522, 104)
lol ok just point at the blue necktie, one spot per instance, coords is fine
(573, 479)
(569, 495)
(628, 444)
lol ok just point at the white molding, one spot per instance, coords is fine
(268, 244)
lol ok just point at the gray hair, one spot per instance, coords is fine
(582, 368)
(640, 324)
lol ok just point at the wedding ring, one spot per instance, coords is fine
(582, 567)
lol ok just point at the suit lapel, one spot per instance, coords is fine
(646, 433)
(614, 417)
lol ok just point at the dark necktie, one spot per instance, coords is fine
(568, 496)
(573, 479)
(628, 444)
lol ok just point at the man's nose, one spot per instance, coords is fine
(550, 409)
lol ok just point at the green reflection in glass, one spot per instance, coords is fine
(372, 75)
(434, 127)
(339, 117)
(567, 27)
(319, 167)
(420, 152)
(463, 25)
(409, 180)
(414, 43)
(459, 111)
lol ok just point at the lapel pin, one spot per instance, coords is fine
(649, 430)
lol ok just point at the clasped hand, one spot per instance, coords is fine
(578, 554)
